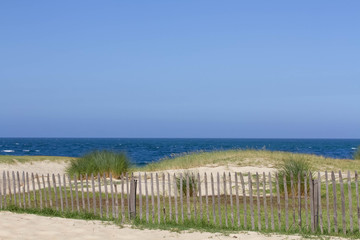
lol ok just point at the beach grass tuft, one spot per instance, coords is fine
(192, 183)
(101, 162)
(292, 167)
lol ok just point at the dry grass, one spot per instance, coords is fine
(256, 158)
(9, 159)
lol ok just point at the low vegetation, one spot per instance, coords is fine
(243, 158)
(99, 162)
(182, 183)
(10, 159)
(292, 168)
(357, 154)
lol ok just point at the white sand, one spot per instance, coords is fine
(27, 226)
(39, 167)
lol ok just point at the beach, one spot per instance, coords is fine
(28, 226)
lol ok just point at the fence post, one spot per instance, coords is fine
(132, 206)
(315, 201)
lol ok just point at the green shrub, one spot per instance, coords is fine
(100, 162)
(357, 154)
(293, 166)
(192, 183)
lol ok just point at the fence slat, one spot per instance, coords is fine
(244, 199)
(219, 198)
(106, 196)
(286, 204)
(117, 215)
(158, 196)
(312, 217)
(194, 195)
(213, 197)
(152, 198)
(335, 201)
(327, 201)
(28, 188)
(55, 192)
(60, 191)
(1, 196)
(293, 198)
(258, 200)
(112, 196)
(140, 198)
(319, 204)
(251, 202)
(342, 202)
(170, 199)
(100, 195)
(237, 200)
(265, 203)
(65, 193)
(231, 202)
(175, 199)
(19, 187)
(4, 189)
(299, 201)
(306, 200)
(14, 187)
(350, 203)
(188, 196)
(163, 188)
(82, 192)
(181, 190)
(34, 191)
(93, 193)
(40, 192)
(24, 189)
(278, 199)
(146, 199)
(357, 198)
(271, 203)
(200, 197)
(87, 192)
(225, 200)
(9, 186)
(45, 190)
(71, 193)
(122, 198)
(77, 193)
(127, 194)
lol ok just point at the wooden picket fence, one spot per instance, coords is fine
(318, 202)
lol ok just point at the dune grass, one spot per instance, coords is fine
(291, 168)
(99, 162)
(10, 159)
(357, 154)
(256, 158)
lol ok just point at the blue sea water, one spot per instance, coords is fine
(145, 150)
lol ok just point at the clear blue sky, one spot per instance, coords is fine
(272, 69)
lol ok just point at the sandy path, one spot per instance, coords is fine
(27, 226)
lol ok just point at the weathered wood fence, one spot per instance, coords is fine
(318, 202)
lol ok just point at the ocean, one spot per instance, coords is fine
(145, 150)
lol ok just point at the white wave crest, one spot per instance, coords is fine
(8, 151)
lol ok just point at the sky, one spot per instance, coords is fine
(180, 69)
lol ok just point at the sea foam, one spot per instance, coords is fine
(8, 151)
